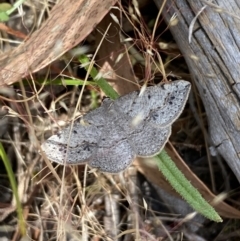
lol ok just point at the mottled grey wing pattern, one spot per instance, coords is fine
(173, 104)
(149, 141)
(160, 105)
(110, 137)
(77, 145)
(115, 152)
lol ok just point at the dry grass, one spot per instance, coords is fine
(74, 202)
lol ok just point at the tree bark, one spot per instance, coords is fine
(213, 59)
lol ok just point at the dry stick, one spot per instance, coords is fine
(68, 24)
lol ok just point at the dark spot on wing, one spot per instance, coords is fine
(75, 132)
(86, 148)
(149, 97)
(155, 116)
(163, 86)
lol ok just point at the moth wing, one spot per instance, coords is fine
(77, 144)
(130, 105)
(160, 105)
(114, 152)
(72, 147)
(165, 113)
(113, 159)
(148, 140)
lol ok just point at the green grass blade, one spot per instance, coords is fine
(15, 6)
(101, 82)
(14, 189)
(66, 82)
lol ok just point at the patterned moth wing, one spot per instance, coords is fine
(159, 105)
(76, 144)
(110, 137)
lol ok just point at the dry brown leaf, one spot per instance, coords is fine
(120, 71)
(68, 24)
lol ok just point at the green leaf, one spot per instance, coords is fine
(3, 17)
(3, 11)
(4, 7)
(179, 182)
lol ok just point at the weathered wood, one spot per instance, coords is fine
(213, 58)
